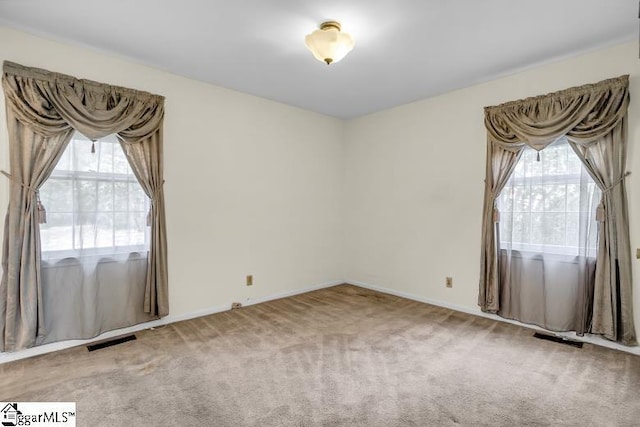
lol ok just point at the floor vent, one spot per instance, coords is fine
(109, 343)
(559, 340)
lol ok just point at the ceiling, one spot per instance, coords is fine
(405, 50)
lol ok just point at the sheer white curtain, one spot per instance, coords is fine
(548, 240)
(94, 242)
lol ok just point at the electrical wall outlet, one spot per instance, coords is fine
(449, 282)
(249, 280)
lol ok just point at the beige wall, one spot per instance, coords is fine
(414, 180)
(252, 186)
(298, 199)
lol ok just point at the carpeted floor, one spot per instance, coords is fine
(342, 356)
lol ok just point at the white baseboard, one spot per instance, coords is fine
(591, 339)
(48, 348)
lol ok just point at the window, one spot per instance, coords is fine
(548, 204)
(94, 202)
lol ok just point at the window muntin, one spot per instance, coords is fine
(94, 202)
(548, 205)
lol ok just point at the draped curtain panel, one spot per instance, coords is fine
(43, 110)
(593, 118)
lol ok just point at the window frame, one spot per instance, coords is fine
(564, 179)
(74, 176)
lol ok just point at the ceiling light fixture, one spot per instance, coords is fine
(329, 44)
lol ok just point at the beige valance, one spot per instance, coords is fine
(583, 114)
(52, 102)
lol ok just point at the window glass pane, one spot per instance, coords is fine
(86, 192)
(537, 234)
(121, 195)
(106, 196)
(129, 228)
(573, 197)
(573, 229)
(552, 229)
(103, 231)
(555, 197)
(57, 233)
(537, 198)
(521, 199)
(57, 195)
(93, 230)
(521, 227)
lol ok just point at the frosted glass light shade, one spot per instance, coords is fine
(328, 44)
